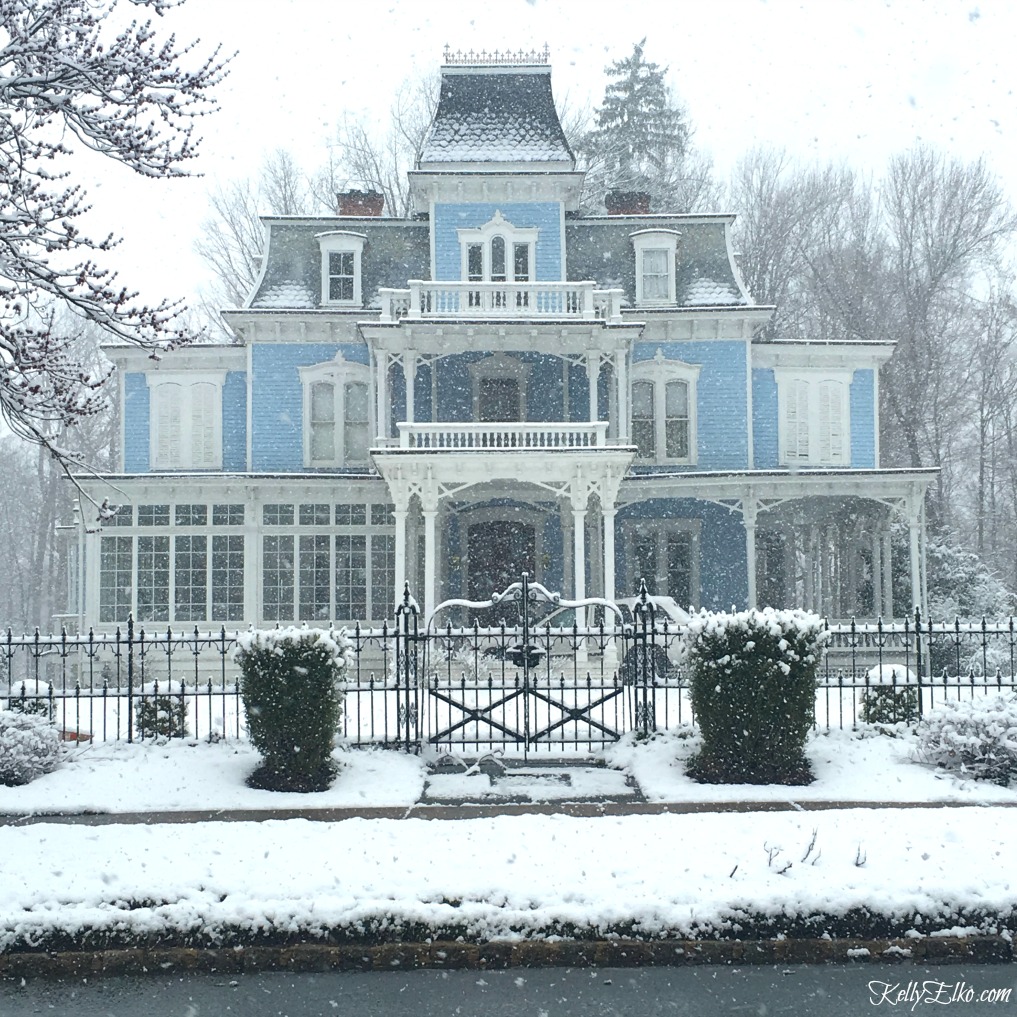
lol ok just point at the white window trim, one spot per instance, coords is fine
(498, 365)
(339, 241)
(659, 371)
(339, 373)
(497, 226)
(157, 384)
(633, 528)
(656, 240)
(813, 379)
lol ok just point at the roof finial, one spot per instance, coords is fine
(507, 57)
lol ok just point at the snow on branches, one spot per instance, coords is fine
(77, 72)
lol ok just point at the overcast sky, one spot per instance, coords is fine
(827, 79)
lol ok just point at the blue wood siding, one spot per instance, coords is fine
(722, 425)
(137, 405)
(765, 450)
(544, 215)
(863, 419)
(234, 422)
(723, 571)
(277, 400)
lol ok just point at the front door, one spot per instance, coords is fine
(498, 400)
(498, 552)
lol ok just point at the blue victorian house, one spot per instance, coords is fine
(499, 383)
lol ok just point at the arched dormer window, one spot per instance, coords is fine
(337, 413)
(341, 253)
(664, 410)
(656, 252)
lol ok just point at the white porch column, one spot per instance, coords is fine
(609, 580)
(410, 376)
(430, 512)
(750, 508)
(914, 533)
(621, 372)
(877, 572)
(382, 395)
(400, 515)
(580, 497)
(592, 375)
(887, 572)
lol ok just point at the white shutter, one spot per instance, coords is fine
(831, 422)
(203, 426)
(796, 421)
(168, 423)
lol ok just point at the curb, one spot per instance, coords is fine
(472, 810)
(314, 957)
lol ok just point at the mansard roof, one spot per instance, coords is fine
(495, 114)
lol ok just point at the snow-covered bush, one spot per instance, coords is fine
(976, 738)
(753, 686)
(31, 695)
(161, 711)
(892, 695)
(29, 747)
(292, 685)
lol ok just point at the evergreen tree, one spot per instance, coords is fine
(642, 139)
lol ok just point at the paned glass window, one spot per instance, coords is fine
(115, 555)
(227, 515)
(278, 578)
(153, 577)
(190, 575)
(228, 577)
(277, 515)
(315, 578)
(153, 515)
(190, 515)
(341, 269)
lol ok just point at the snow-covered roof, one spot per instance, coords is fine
(291, 294)
(495, 114)
(703, 292)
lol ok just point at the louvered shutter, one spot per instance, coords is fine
(831, 422)
(168, 425)
(796, 421)
(203, 429)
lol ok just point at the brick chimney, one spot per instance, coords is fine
(627, 202)
(362, 203)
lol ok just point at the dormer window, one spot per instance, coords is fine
(340, 268)
(656, 252)
(337, 424)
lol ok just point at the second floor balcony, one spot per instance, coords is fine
(575, 301)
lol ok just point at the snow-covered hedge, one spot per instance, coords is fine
(161, 712)
(892, 696)
(976, 738)
(31, 695)
(292, 684)
(753, 685)
(29, 747)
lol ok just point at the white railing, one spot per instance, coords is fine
(575, 300)
(503, 436)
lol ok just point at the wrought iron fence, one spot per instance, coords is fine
(535, 688)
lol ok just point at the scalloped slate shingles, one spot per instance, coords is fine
(703, 292)
(496, 118)
(285, 295)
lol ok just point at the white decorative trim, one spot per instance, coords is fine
(498, 226)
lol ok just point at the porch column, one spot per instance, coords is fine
(609, 580)
(887, 571)
(382, 397)
(410, 376)
(750, 508)
(592, 374)
(400, 515)
(621, 373)
(914, 533)
(877, 572)
(579, 501)
(429, 509)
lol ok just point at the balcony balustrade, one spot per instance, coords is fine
(557, 300)
(494, 437)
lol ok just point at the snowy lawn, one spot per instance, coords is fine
(859, 872)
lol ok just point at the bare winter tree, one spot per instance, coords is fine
(73, 73)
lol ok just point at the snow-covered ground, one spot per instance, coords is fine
(502, 876)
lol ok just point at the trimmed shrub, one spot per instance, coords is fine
(975, 738)
(892, 696)
(292, 685)
(753, 682)
(161, 712)
(29, 747)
